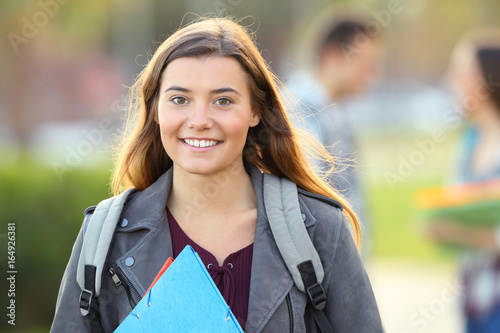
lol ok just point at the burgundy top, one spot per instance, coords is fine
(232, 278)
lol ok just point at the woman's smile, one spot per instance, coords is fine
(198, 145)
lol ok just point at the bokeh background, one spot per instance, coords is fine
(65, 66)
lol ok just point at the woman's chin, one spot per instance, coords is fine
(197, 168)
(206, 168)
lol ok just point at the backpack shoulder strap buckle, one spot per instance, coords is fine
(314, 289)
(86, 297)
(317, 296)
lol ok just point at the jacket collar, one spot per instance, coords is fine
(270, 281)
(147, 207)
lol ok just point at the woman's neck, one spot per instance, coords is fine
(210, 197)
(485, 156)
(218, 212)
(488, 120)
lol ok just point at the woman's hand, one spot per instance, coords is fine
(448, 231)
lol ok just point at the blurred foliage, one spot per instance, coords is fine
(48, 215)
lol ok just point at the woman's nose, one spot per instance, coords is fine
(200, 118)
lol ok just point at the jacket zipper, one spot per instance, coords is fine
(118, 278)
(290, 311)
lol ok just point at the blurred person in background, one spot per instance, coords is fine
(475, 75)
(347, 60)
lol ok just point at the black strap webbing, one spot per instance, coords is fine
(316, 295)
(322, 322)
(88, 304)
(95, 323)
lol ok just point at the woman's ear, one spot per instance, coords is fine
(155, 109)
(255, 120)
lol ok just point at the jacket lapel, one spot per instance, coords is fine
(146, 211)
(270, 281)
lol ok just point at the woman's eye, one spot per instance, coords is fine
(223, 101)
(179, 100)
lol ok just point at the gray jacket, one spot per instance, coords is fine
(142, 244)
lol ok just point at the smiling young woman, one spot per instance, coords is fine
(206, 123)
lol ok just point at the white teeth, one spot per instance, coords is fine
(201, 143)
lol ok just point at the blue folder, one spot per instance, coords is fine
(184, 299)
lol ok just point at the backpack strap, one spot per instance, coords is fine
(96, 242)
(297, 250)
(283, 211)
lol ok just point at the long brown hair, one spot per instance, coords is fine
(273, 145)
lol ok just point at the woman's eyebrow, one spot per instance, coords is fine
(224, 90)
(214, 91)
(177, 88)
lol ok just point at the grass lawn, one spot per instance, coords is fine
(394, 167)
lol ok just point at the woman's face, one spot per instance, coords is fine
(466, 79)
(204, 113)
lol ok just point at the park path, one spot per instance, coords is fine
(417, 297)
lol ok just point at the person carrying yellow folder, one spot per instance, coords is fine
(475, 73)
